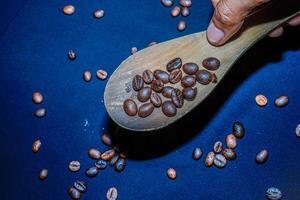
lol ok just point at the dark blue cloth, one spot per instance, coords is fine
(35, 37)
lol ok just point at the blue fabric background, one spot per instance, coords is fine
(34, 39)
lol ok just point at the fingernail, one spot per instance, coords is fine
(214, 34)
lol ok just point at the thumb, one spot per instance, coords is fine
(228, 18)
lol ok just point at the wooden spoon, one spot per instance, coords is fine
(190, 48)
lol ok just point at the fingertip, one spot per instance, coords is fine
(214, 34)
(276, 32)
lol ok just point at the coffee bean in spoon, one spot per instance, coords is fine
(161, 75)
(175, 63)
(148, 76)
(169, 109)
(211, 63)
(190, 68)
(144, 94)
(189, 93)
(145, 110)
(130, 107)
(203, 77)
(188, 81)
(175, 76)
(167, 91)
(157, 85)
(177, 98)
(156, 99)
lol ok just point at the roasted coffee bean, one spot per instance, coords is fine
(120, 165)
(74, 193)
(155, 100)
(69, 10)
(36, 145)
(43, 174)
(214, 78)
(167, 3)
(137, 82)
(167, 91)
(262, 156)
(161, 75)
(209, 160)
(80, 186)
(130, 107)
(144, 94)
(94, 153)
(189, 93)
(185, 3)
(175, 76)
(107, 155)
(98, 13)
(197, 153)
(181, 26)
(273, 194)
(74, 166)
(101, 74)
(174, 64)
(72, 54)
(106, 139)
(169, 109)
(145, 110)
(87, 76)
(101, 164)
(211, 63)
(151, 44)
(171, 173)
(238, 129)
(112, 194)
(37, 98)
(281, 101)
(92, 171)
(177, 98)
(133, 50)
(123, 155)
(40, 113)
(188, 81)
(297, 131)
(128, 87)
(231, 141)
(218, 147)
(148, 76)
(190, 68)
(185, 11)
(220, 161)
(203, 77)
(114, 159)
(157, 85)
(175, 11)
(261, 100)
(229, 154)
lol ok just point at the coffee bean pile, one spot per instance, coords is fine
(154, 87)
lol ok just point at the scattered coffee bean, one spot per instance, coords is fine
(169, 109)
(106, 139)
(74, 166)
(174, 64)
(188, 81)
(101, 74)
(273, 194)
(114, 159)
(151, 44)
(87, 76)
(297, 131)
(74, 194)
(98, 13)
(155, 100)
(137, 82)
(175, 11)
(40, 113)
(214, 78)
(120, 165)
(229, 154)
(175, 76)
(112, 194)
(167, 3)
(92, 171)
(211, 63)
(130, 107)
(36, 145)
(101, 164)
(43, 174)
(37, 98)
(204, 77)
(185, 3)
(209, 160)
(161, 75)
(94, 153)
(185, 11)
(177, 98)
(167, 91)
(80, 186)
(148, 76)
(189, 93)
(220, 161)
(145, 110)
(281, 101)
(69, 10)
(231, 141)
(190, 68)
(197, 153)
(262, 156)
(107, 155)
(181, 25)
(238, 129)
(218, 147)
(72, 55)
(171, 173)
(133, 50)
(157, 85)
(144, 94)
(261, 100)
